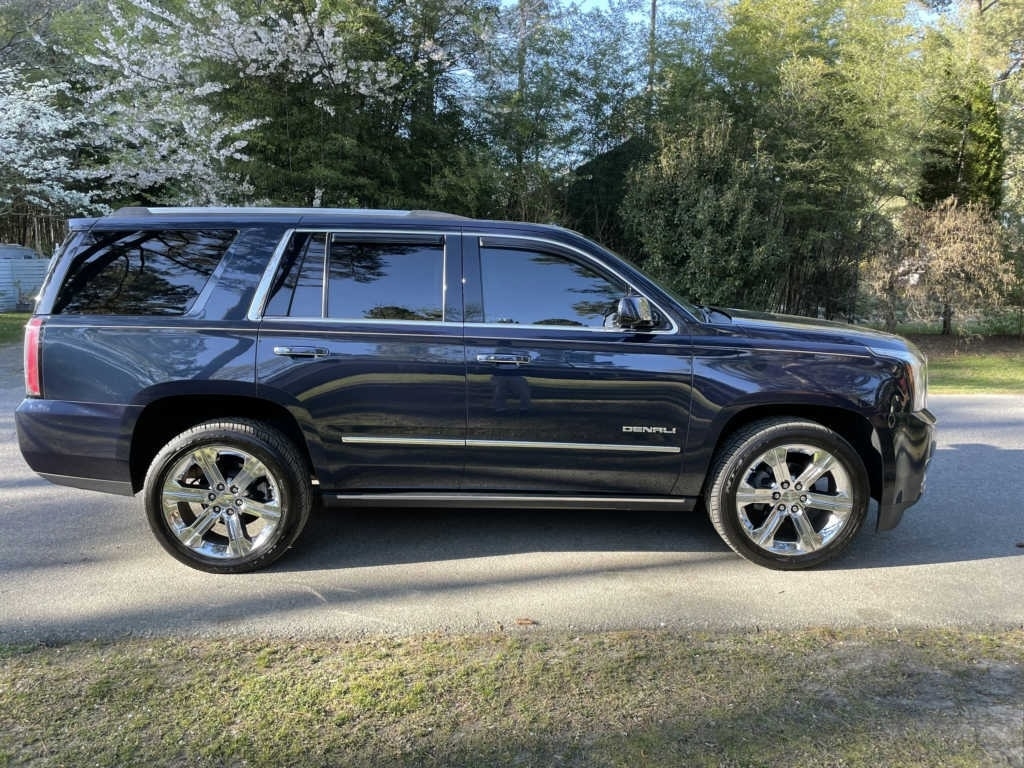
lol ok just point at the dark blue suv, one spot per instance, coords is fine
(239, 366)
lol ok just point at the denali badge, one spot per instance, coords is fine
(648, 430)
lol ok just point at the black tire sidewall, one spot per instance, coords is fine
(755, 441)
(280, 459)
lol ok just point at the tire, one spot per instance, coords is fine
(209, 522)
(787, 493)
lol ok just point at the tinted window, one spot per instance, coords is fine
(386, 281)
(142, 273)
(535, 288)
(372, 278)
(300, 287)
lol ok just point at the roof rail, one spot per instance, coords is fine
(137, 210)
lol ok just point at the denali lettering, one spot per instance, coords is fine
(651, 430)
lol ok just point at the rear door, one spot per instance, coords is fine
(560, 402)
(361, 339)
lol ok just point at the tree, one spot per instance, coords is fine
(170, 84)
(956, 253)
(962, 137)
(39, 147)
(698, 208)
(777, 161)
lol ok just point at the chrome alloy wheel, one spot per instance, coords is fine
(222, 502)
(794, 499)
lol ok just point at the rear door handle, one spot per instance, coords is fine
(300, 351)
(503, 359)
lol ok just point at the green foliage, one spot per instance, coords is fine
(962, 142)
(751, 152)
(698, 208)
(769, 176)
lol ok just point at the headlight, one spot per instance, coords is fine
(915, 365)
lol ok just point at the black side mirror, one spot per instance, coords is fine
(635, 314)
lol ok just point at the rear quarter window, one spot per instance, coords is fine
(141, 273)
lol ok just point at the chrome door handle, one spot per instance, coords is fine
(503, 359)
(301, 351)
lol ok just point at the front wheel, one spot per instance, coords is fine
(787, 494)
(228, 496)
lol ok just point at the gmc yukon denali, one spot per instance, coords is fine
(239, 366)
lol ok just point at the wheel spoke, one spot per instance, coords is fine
(252, 469)
(841, 505)
(206, 458)
(808, 539)
(776, 459)
(765, 535)
(749, 495)
(821, 463)
(269, 511)
(238, 542)
(178, 494)
(193, 535)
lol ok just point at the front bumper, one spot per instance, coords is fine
(906, 447)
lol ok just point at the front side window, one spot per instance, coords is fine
(367, 278)
(527, 287)
(142, 273)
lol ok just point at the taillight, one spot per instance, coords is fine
(33, 381)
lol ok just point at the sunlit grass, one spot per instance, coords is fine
(859, 697)
(971, 373)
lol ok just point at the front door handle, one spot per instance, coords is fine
(503, 359)
(301, 351)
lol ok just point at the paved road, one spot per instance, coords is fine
(76, 564)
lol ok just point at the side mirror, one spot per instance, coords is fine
(635, 314)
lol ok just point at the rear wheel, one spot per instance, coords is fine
(228, 496)
(787, 494)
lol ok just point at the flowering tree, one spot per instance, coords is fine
(163, 85)
(38, 148)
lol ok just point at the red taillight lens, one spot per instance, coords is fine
(33, 380)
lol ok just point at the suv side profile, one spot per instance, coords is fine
(240, 366)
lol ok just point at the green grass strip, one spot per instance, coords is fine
(972, 373)
(806, 698)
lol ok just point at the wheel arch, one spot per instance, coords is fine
(854, 427)
(161, 420)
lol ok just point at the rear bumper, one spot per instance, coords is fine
(907, 448)
(82, 445)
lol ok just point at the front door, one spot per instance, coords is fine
(559, 402)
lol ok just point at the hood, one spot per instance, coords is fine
(792, 327)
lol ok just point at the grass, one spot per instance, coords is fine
(807, 698)
(12, 327)
(973, 374)
(974, 364)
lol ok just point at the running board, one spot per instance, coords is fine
(506, 501)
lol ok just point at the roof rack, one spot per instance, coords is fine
(135, 210)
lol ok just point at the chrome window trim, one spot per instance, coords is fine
(258, 306)
(531, 444)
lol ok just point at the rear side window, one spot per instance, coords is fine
(342, 277)
(142, 273)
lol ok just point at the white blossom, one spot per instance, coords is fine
(152, 81)
(38, 147)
